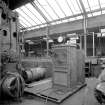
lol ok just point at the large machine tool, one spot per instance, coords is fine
(11, 82)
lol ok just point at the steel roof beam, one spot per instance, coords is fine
(100, 5)
(79, 6)
(89, 7)
(83, 8)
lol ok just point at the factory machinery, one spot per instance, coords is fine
(11, 82)
(16, 75)
(13, 77)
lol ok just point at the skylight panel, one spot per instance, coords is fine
(35, 12)
(94, 4)
(24, 21)
(33, 18)
(25, 10)
(26, 17)
(44, 7)
(74, 6)
(102, 2)
(65, 7)
(55, 8)
(25, 25)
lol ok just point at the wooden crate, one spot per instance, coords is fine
(68, 69)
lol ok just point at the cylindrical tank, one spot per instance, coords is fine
(13, 85)
(34, 74)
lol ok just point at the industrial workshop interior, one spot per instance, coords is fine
(52, 52)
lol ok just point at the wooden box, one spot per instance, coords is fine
(68, 70)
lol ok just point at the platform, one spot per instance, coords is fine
(56, 93)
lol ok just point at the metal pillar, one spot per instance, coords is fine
(47, 41)
(0, 41)
(93, 46)
(85, 35)
(18, 40)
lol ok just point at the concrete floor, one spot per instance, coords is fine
(83, 97)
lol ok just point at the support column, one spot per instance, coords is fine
(18, 49)
(85, 35)
(93, 46)
(47, 41)
(0, 41)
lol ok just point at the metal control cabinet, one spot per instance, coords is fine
(68, 65)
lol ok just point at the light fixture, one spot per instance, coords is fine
(60, 39)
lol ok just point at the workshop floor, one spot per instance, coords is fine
(83, 97)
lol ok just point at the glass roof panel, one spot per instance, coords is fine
(23, 24)
(34, 11)
(26, 17)
(30, 14)
(56, 9)
(45, 8)
(24, 9)
(24, 21)
(91, 4)
(64, 7)
(74, 6)
(94, 4)
(102, 2)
